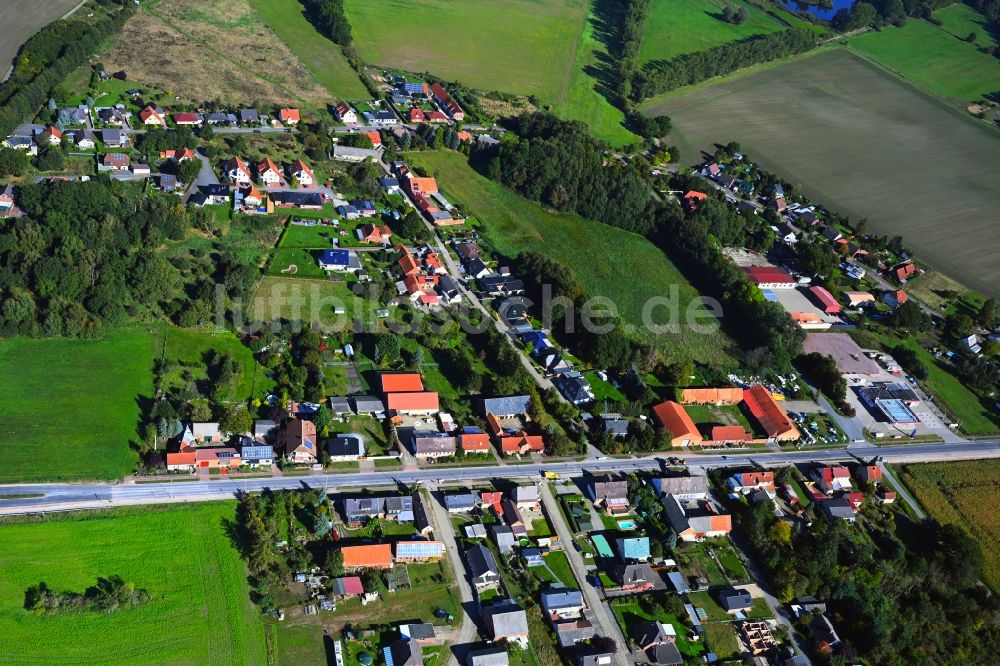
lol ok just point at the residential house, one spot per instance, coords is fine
(112, 116)
(255, 454)
(368, 405)
(593, 657)
(249, 117)
(380, 118)
(215, 194)
(503, 536)
(217, 458)
(475, 531)
(298, 438)
(301, 172)
(684, 488)
(507, 621)
(359, 511)
(8, 206)
(448, 289)
(430, 445)
(52, 136)
(840, 508)
(476, 268)
(375, 233)
(522, 443)
(746, 482)
(869, 474)
(140, 169)
(422, 632)
(345, 114)
(679, 426)
(235, 170)
(633, 548)
(351, 154)
(526, 497)
(403, 652)
(84, 139)
(114, 162)
(825, 635)
(636, 577)
(178, 155)
(346, 447)
(508, 407)
(490, 657)
(268, 172)
(483, 569)
(769, 415)
(610, 494)
(695, 520)
(114, 138)
(574, 387)
(421, 516)
(512, 516)
(445, 101)
(187, 119)
(460, 502)
(501, 285)
(858, 298)
(167, 182)
(289, 116)
(375, 556)
(832, 479)
(391, 186)
(152, 116)
(217, 118)
(264, 430)
(571, 632)
(340, 261)
(419, 551)
(734, 600)
(658, 641)
(562, 603)
(399, 508)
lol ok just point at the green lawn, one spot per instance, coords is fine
(189, 349)
(200, 611)
(319, 55)
(515, 46)
(975, 416)
(558, 563)
(582, 97)
(303, 260)
(605, 260)
(312, 300)
(934, 58)
(604, 390)
(631, 614)
(300, 236)
(684, 26)
(71, 407)
(960, 19)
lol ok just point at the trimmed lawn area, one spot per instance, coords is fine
(604, 390)
(853, 140)
(935, 59)
(71, 407)
(180, 554)
(512, 224)
(674, 27)
(558, 562)
(301, 236)
(305, 262)
(371, 429)
(631, 614)
(320, 56)
(960, 19)
(705, 600)
(515, 46)
(964, 493)
(709, 415)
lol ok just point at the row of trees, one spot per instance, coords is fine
(663, 76)
(47, 59)
(880, 13)
(630, 35)
(105, 596)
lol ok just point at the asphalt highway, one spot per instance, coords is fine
(48, 497)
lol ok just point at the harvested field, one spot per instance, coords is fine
(963, 493)
(20, 20)
(213, 51)
(865, 144)
(934, 289)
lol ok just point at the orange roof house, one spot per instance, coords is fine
(417, 402)
(723, 434)
(772, 418)
(693, 199)
(375, 233)
(181, 460)
(397, 382)
(712, 396)
(871, 473)
(475, 441)
(376, 556)
(417, 116)
(375, 137)
(422, 185)
(522, 443)
(904, 271)
(289, 116)
(407, 263)
(676, 421)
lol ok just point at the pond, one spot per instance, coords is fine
(817, 10)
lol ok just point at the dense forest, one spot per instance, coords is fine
(663, 76)
(880, 13)
(899, 592)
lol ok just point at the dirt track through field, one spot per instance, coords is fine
(20, 20)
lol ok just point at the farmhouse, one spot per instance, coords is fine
(672, 417)
(445, 101)
(712, 396)
(771, 418)
(696, 520)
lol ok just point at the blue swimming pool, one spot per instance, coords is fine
(627, 524)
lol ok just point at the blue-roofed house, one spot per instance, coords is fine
(365, 207)
(391, 185)
(633, 548)
(419, 551)
(561, 602)
(509, 407)
(538, 340)
(348, 212)
(340, 261)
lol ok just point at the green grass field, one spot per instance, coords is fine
(309, 300)
(189, 349)
(303, 260)
(519, 46)
(935, 58)
(857, 140)
(297, 235)
(963, 493)
(603, 259)
(582, 99)
(320, 56)
(960, 20)
(200, 611)
(684, 26)
(71, 407)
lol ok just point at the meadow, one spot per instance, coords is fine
(200, 610)
(188, 349)
(865, 144)
(71, 407)
(938, 59)
(311, 300)
(964, 493)
(518, 46)
(320, 56)
(605, 260)
(684, 26)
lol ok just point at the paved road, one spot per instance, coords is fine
(444, 531)
(606, 625)
(903, 492)
(68, 496)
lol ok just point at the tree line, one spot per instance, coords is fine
(105, 596)
(880, 13)
(47, 59)
(330, 19)
(663, 76)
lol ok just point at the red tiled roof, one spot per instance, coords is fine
(826, 299)
(266, 165)
(182, 458)
(729, 433)
(352, 585)
(396, 382)
(375, 137)
(720, 396)
(418, 400)
(285, 115)
(417, 116)
(521, 441)
(185, 118)
(768, 274)
(771, 417)
(478, 441)
(677, 422)
(377, 555)
(408, 264)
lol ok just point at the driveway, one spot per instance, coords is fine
(468, 633)
(206, 175)
(603, 617)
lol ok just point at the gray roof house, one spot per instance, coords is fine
(838, 509)
(422, 631)
(571, 632)
(433, 444)
(656, 639)
(823, 631)
(574, 387)
(613, 495)
(511, 406)
(249, 116)
(483, 569)
(368, 404)
(257, 455)
(503, 537)
(403, 652)
(733, 600)
(459, 502)
(264, 429)
(595, 659)
(526, 496)
(421, 519)
(506, 620)
(346, 446)
(488, 657)
(340, 405)
(359, 510)
(562, 602)
(399, 508)
(682, 487)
